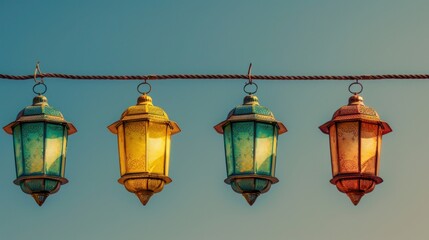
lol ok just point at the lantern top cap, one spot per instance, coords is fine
(356, 111)
(250, 110)
(251, 100)
(40, 111)
(40, 100)
(356, 99)
(144, 99)
(144, 110)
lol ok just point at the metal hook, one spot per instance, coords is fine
(250, 82)
(249, 73)
(38, 72)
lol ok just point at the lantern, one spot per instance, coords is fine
(144, 133)
(40, 141)
(250, 137)
(355, 133)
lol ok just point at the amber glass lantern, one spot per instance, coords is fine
(355, 133)
(40, 140)
(250, 137)
(144, 133)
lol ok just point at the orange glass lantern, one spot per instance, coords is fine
(144, 133)
(355, 134)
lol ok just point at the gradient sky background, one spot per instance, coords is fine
(294, 37)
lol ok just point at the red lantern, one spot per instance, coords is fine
(355, 133)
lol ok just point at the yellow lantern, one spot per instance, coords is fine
(144, 132)
(355, 133)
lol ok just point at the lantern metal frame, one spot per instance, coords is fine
(251, 111)
(357, 112)
(41, 112)
(144, 111)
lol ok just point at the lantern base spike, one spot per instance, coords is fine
(144, 196)
(250, 197)
(40, 198)
(355, 197)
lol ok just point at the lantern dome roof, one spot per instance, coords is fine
(40, 111)
(144, 110)
(250, 110)
(356, 110)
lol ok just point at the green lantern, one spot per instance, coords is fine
(40, 140)
(250, 137)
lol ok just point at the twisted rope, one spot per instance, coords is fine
(213, 76)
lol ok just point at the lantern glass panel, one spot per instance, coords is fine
(135, 146)
(380, 133)
(167, 152)
(121, 149)
(50, 185)
(367, 185)
(228, 149)
(273, 164)
(156, 147)
(333, 145)
(53, 149)
(32, 142)
(349, 185)
(17, 144)
(33, 185)
(243, 144)
(264, 148)
(64, 152)
(368, 154)
(348, 146)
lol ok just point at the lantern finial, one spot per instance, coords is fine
(144, 196)
(250, 197)
(40, 198)
(355, 197)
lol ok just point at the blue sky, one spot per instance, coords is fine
(303, 37)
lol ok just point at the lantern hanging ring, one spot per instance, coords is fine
(147, 84)
(356, 83)
(45, 88)
(250, 82)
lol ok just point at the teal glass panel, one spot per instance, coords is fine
(33, 185)
(17, 145)
(63, 161)
(51, 185)
(243, 146)
(273, 164)
(53, 149)
(32, 141)
(228, 149)
(244, 185)
(264, 148)
(261, 184)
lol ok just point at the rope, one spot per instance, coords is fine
(213, 76)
